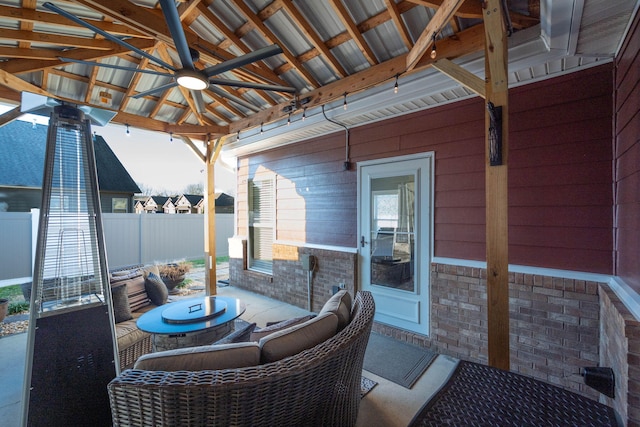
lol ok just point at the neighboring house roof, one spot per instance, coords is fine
(223, 199)
(22, 150)
(193, 199)
(160, 200)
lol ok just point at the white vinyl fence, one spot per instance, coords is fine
(129, 239)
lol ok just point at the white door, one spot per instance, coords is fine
(395, 218)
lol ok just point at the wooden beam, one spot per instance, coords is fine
(312, 35)
(38, 17)
(465, 42)
(462, 76)
(16, 84)
(496, 184)
(469, 9)
(212, 153)
(192, 130)
(442, 16)
(394, 12)
(10, 116)
(193, 148)
(353, 31)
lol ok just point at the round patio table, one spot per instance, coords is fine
(191, 322)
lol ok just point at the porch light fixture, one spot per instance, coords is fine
(289, 119)
(170, 136)
(127, 131)
(238, 136)
(304, 113)
(261, 128)
(344, 103)
(395, 87)
(191, 79)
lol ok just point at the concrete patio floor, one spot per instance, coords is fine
(387, 404)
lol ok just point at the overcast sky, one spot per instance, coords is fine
(155, 162)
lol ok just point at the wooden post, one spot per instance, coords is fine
(496, 68)
(212, 152)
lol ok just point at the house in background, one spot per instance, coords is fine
(182, 204)
(22, 150)
(159, 204)
(224, 203)
(189, 203)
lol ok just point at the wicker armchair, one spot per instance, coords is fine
(319, 386)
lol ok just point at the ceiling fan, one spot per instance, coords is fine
(188, 76)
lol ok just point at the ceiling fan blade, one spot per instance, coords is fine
(170, 12)
(233, 98)
(154, 90)
(115, 67)
(199, 100)
(62, 12)
(240, 61)
(238, 83)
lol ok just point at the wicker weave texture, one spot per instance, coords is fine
(319, 386)
(129, 355)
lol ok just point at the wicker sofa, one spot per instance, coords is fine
(318, 386)
(132, 342)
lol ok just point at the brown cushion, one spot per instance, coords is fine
(121, 309)
(156, 289)
(128, 334)
(239, 335)
(260, 333)
(150, 269)
(340, 305)
(295, 339)
(136, 291)
(212, 357)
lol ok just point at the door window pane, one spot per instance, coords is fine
(392, 232)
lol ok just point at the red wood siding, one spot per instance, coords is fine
(560, 193)
(627, 158)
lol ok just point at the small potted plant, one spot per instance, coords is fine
(173, 274)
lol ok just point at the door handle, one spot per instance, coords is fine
(362, 242)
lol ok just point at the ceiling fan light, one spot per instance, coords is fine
(191, 80)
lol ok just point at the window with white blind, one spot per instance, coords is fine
(262, 223)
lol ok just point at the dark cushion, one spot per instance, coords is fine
(210, 357)
(239, 335)
(156, 289)
(340, 305)
(134, 280)
(295, 339)
(260, 333)
(121, 309)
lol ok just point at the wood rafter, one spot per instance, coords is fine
(397, 19)
(266, 32)
(352, 29)
(311, 35)
(441, 17)
(35, 38)
(463, 43)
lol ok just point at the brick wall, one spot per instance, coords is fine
(289, 281)
(557, 325)
(554, 328)
(620, 350)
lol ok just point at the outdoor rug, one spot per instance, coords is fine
(399, 362)
(479, 395)
(366, 385)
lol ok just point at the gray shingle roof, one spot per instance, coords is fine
(22, 150)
